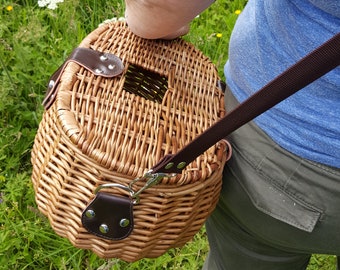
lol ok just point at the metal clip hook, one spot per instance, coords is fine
(151, 180)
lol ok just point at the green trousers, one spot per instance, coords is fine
(275, 209)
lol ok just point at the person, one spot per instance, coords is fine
(280, 200)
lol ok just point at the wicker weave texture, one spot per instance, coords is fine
(102, 130)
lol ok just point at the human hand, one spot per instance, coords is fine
(162, 19)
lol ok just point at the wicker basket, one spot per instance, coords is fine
(112, 130)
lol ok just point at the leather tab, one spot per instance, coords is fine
(99, 63)
(109, 216)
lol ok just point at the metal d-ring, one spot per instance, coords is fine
(126, 188)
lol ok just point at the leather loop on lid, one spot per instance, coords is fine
(99, 63)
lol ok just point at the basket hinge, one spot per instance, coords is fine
(99, 63)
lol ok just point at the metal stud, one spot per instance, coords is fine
(181, 165)
(99, 71)
(169, 165)
(103, 57)
(51, 84)
(111, 67)
(104, 228)
(124, 223)
(90, 213)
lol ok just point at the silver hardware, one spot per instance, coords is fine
(97, 70)
(169, 165)
(51, 84)
(111, 67)
(181, 165)
(113, 185)
(103, 57)
(151, 180)
(124, 223)
(104, 228)
(90, 213)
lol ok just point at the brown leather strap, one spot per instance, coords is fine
(304, 72)
(99, 63)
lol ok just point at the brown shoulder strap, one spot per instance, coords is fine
(308, 69)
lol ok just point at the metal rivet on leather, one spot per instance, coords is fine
(111, 67)
(51, 84)
(90, 214)
(103, 58)
(181, 165)
(124, 223)
(103, 228)
(169, 165)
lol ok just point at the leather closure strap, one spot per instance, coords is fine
(109, 216)
(99, 63)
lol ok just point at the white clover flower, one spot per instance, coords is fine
(50, 4)
(114, 19)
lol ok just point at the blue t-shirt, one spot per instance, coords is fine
(270, 36)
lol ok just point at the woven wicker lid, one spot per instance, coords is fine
(165, 97)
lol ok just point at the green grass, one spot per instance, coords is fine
(34, 41)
